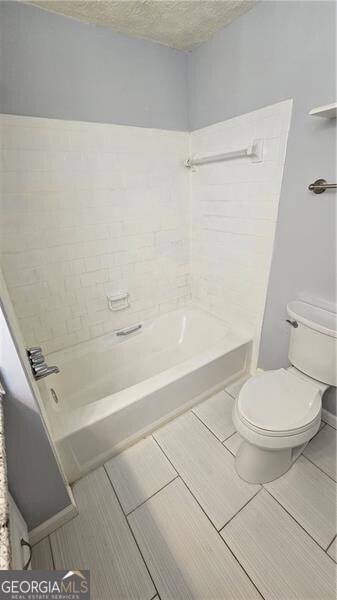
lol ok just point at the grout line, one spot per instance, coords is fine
(51, 552)
(293, 518)
(209, 519)
(320, 469)
(184, 482)
(333, 560)
(131, 531)
(226, 440)
(202, 508)
(242, 507)
(250, 579)
(152, 496)
(328, 425)
(329, 546)
(218, 531)
(210, 430)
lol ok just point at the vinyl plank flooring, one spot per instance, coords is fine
(333, 550)
(233, 443)
(216, 413)
(322, 450)
(206, 467)
(310, 497)
(99, 539)
(281, 559)
(185, 555)
(42, 559)
(139, 472)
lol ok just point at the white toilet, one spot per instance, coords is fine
(278, 412)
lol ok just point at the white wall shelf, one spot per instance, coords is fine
(329, 111)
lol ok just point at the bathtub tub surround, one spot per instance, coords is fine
(234, 213)
(113, 390)
(91, 209)
(87, 210)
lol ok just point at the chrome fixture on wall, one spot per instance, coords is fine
(320, 185)
(38, 364)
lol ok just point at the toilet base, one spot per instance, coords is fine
(258, 465)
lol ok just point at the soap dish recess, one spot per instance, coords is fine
(118, 301)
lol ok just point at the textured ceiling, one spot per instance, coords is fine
(179, 24)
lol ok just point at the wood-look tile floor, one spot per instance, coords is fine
(170, 519)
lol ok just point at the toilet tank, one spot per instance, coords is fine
(313, 341)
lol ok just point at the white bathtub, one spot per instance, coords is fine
(113, 390)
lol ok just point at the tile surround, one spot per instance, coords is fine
(89, 208)
(234, 212)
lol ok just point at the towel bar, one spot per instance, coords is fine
(320, 185)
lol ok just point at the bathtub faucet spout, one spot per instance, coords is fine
(44, 371)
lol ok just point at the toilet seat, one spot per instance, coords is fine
(279, 403)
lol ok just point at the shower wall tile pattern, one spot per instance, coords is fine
(234, 213)
(88, 209)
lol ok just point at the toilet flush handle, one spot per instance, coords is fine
(292, 323)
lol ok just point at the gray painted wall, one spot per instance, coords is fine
(34, 479)
(282, 50)
(57, 67)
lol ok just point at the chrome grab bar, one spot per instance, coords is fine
(128, 330)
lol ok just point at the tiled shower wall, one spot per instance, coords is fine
(89, 209)
(234, 212)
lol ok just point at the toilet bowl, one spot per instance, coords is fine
(278, 412)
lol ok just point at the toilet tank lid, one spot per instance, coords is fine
(314, 317)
